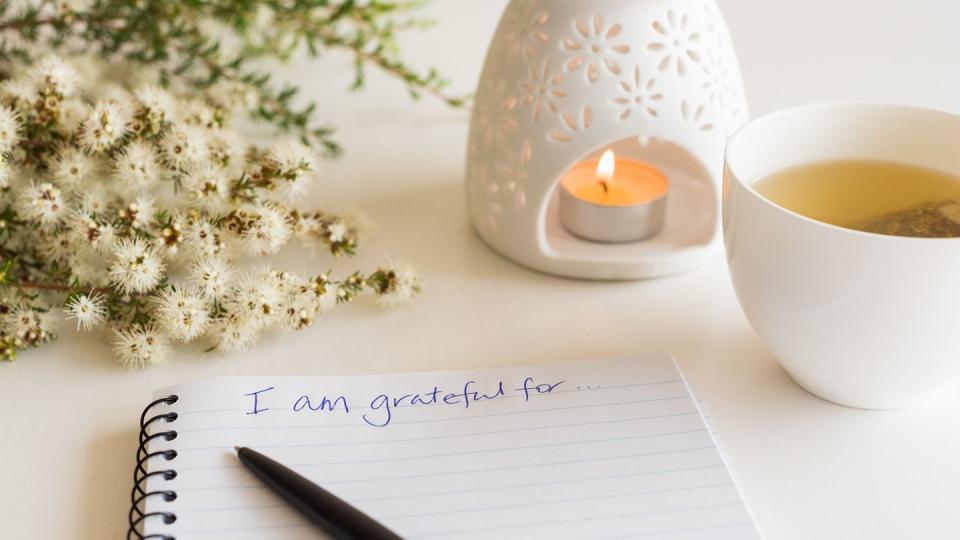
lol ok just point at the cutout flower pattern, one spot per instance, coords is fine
(640, 95)
(514, 174)
(524, 31)
(488, 212)
(571, 124)
(677, 43)
(594, 46)
(695, 116)
(720, 89)
(717, 86)
(542, 90)
(493, 115)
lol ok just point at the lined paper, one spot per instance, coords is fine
(593, 449)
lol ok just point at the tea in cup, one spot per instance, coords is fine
(842, 230)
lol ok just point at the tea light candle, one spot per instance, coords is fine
(613, 200)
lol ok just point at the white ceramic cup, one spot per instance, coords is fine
(860, 319)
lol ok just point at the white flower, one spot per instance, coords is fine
(105, 126)
(171, 236)
(54, 76)
(185, 146)
(227, 150)
(55, 247)
(88, 268)
(292, 159)
(43, 203)
(211, 276)
(255, 299)
(301, 306)
(88, 310)
(27, 325)
(145, 208)
(306, 225)
(73, 112)
(136, 267)
(338, 231)
(267, 233)
(157, 102)
(140, 212)
(182, 314)
(9, 129)
(72, 167)
(328, 298)
(136, 167)
(119, 96)
(92, 232)
(207, 186)
(94, 201)
(195, 112)
(139, 347)
(283, 281)
(18, 92)
(296, 165)
(232, 333)
(300, 313)
(107, 235)
(404, 284)
(293, 190)
(203, 239)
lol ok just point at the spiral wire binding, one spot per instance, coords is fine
(139, 495)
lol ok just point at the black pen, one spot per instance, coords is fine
(332, 514)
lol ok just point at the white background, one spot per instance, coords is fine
(810, 469)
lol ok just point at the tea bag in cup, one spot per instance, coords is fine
(939, 219)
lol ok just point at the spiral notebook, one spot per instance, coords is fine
(592, 449)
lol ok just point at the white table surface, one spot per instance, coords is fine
(809, 468)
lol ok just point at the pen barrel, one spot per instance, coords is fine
(337, 517)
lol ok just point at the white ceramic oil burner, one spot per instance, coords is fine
(656, 81)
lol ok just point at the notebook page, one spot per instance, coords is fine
(592, 449)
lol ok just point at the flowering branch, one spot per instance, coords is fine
(136, 208)
(208, 44)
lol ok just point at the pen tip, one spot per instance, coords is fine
(237, 448)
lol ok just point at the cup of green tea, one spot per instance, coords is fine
(842, 230)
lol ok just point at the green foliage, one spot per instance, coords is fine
(202, 43)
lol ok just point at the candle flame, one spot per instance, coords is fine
(606, 166)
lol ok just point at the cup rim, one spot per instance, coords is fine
(738, 133)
